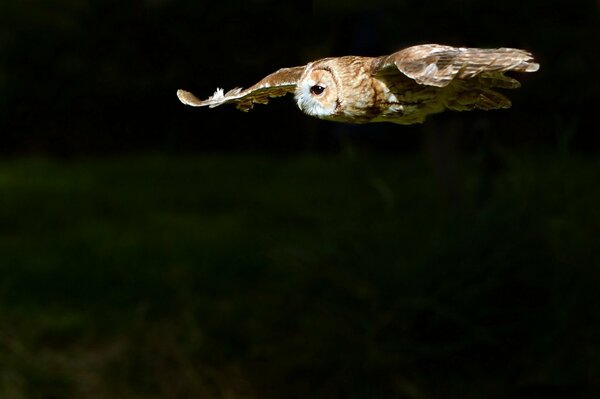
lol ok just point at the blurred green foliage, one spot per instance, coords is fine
(344, 276)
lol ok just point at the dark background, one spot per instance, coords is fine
(153, 250)
(95, 77)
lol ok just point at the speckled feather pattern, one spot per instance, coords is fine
(404, 87)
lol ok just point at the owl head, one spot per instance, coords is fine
(317, 91)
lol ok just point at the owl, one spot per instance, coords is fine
(404, 87)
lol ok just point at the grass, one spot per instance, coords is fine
(347, 276)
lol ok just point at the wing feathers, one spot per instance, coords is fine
(216, 99)
(437, 65)
(277, 84)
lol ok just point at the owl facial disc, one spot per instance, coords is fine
(316, 92)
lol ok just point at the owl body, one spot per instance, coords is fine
(401, 88)
(356, 96)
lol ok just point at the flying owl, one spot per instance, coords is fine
(403, 87)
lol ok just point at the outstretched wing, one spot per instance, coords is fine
(277, 84)
(437, 65)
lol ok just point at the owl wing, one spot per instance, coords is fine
(277, 84)
(437, 65)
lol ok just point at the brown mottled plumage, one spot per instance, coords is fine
(403, 87)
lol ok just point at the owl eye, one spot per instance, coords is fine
(317, 90)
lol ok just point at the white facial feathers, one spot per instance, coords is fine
(316, 92)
